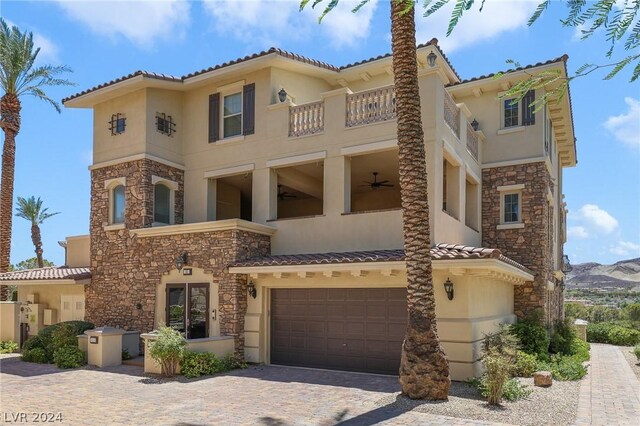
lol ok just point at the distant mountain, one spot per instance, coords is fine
(623, 274)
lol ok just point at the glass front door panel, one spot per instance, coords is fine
(188, 315)
(176, 308)
(198, 311)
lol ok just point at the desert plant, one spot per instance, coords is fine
(8, 347)
(564, 368)
(232, 362)
(580, 349)
(126, 355)
(68, 357)
(38, 355)
(498, 368)
(526, 364)
(168, 350)
(196, 364)
(532, 334)
(562, 337)
(636, 351)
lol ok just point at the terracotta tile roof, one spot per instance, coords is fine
(148, 74)
(272, 50)
(433, 41)
(438, 252)
(562, 58)
(50, 273)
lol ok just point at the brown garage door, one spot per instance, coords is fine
(342, 329)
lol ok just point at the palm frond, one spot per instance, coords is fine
(541, 8)
(31, 210)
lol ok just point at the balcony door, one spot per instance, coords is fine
(188, 309)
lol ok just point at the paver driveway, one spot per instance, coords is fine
(265, 395)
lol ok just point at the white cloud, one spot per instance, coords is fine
(626, 126)
(626, 248)
(48, 49)
(141, 22)
(268, 22)
(497, 17)
(577, 232)
(596, 218)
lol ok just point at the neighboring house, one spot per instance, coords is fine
(47, 295)
(258, 200)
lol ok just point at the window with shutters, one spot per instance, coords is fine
(518, 113)
(232, 112)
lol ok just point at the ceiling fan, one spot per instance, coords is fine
(282, 195)
(375, 184)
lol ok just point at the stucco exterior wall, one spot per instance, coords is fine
(480, 304)
(78, 251)
(49, 294)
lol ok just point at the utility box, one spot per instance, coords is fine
(35, 317)
(50, 316)
(104, 346)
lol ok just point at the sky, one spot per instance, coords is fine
(103, 40)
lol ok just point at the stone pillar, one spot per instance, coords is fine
(104, 348)
(581, 329)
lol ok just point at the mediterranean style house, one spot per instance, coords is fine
(258, 201)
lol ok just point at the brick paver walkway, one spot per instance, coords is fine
(267, 395)
(263, 395)
(610, 394)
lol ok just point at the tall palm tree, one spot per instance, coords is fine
(31, 210)
(18, 77)
(424, 369)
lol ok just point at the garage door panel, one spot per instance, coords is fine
(346, 329)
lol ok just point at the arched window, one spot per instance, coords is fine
(117, 204)
(161, 204)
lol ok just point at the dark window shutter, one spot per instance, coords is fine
(248, 109)
(528, 116)
(214, 117)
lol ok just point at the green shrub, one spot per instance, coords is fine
(196, 364)
(8, 347)
(498, 369)
(564, 368)
(612, 334)
(636, 351)
(562, 337)
(126, 355)
(513, 390)
(526, 364)
(580, 349)
(68, 357)
(532, 335)
(32, 343)
(168, 350)
(59, 335)
(38, 355)
(232, 362)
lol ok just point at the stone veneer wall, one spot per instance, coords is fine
(126, 269)
(528, 246)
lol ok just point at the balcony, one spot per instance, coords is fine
(306, 119)
(371, 106)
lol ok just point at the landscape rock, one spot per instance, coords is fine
(542, 379)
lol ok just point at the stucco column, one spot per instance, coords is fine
(337, 184)
(265, 184)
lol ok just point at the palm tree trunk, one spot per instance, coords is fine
(36, 238)
(424, 370)
(10, 114)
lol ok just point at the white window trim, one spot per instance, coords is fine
(501, 128)
(173, 187)
(110, 185)
(228, 90)
(508, 190)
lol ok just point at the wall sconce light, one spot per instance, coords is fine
(181, 261)
(282, 95)
(431, 59)
(252, 290)
(448, 287)
(475, 125)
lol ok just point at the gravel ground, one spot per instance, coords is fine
(556, 405)
(627, 351)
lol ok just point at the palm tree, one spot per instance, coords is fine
(424, 369)
(18, 77)
(31, 210)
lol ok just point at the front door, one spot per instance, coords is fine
(188, 309)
